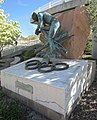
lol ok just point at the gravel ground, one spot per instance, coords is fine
(87, 107)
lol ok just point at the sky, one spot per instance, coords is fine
(21, 10)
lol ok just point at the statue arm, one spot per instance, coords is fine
(40, 20)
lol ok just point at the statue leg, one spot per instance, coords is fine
(55, 26)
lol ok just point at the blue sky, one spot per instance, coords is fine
(20, 10)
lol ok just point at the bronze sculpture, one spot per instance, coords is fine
(50, 27)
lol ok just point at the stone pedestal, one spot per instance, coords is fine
(53, 94)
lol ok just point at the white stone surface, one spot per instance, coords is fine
(57, 90)
(16, 60)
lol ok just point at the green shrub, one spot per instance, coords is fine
(28, 54)
(88, 49)
(9, 109)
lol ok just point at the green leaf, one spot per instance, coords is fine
(9, 29)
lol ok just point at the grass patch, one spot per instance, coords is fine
(88, 57)
(11, 109)
(28, 54)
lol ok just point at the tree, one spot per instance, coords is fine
(92, 10)
(9, 30)
(1, 1)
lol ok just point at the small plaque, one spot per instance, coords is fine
(23, 86)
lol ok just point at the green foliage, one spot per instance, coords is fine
(28, 54)
(88, 49)
(1, 1)
(87, 57)
(9, 30)
(10, 110)
(92, 9)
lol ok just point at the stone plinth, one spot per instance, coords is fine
(53, 94)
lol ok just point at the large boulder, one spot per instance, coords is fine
(76, 23)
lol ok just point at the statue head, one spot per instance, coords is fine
(34, 17)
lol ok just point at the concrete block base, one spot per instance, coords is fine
(53, 94)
